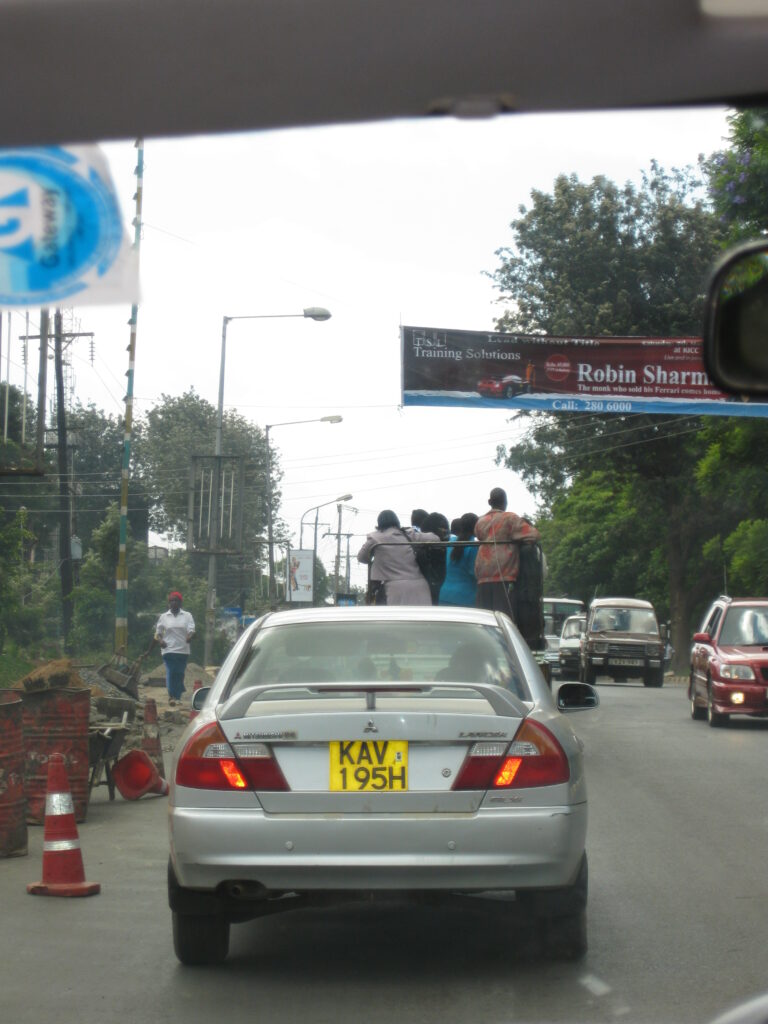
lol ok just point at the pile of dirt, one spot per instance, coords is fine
(52, 675)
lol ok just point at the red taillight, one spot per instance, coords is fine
(209, 761)
(534, 758)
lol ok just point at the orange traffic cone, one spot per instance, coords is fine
(136, 774)
(150, 742)
(63, 872)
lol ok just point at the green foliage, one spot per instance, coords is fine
(747, 552)
(620, 510)
(13, 666)
(594, 259)
(737, 177)
(179, 428)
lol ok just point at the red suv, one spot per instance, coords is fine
(729, 661)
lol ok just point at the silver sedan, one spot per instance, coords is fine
(345, 752)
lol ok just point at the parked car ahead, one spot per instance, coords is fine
(729, 661)
(373, 751)
(570, 645)
(623, 641)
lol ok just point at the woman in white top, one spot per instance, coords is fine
(174, 629)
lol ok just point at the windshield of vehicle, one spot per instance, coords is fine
(572, 629)
(407, 652)
(625, 620)
(745, 625)
(556, 612)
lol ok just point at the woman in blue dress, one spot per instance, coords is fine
(460, 585)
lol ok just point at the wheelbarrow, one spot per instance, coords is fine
(104, 746)
(124, 674)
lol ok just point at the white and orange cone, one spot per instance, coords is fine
(63, 871)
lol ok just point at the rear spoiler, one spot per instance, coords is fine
(503, 703)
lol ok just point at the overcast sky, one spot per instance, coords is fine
(381, 224)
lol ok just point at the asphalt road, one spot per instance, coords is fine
(678, 847)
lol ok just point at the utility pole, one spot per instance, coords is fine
(121, 580)
(42, 375)
(65, 546)
(338, 559)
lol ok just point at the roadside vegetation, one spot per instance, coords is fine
(668, 508)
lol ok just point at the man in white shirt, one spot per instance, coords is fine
(174, 629)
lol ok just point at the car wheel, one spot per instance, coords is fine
(200, 938)
(697, 713)
(559, 916)
(654, 678)
(510, 392)
(589, 675)
(714, 718)
(565, 938)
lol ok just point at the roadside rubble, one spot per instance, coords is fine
(82, 711)
(109, 703)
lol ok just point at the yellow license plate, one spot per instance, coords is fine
(358, 765)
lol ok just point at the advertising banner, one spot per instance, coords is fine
(599, 375)
(62, 239)
(300, 576)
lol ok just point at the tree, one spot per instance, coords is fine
(97, 462)
(594, 259)
(179, 428)
(737, 177)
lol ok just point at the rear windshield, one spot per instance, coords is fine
(748, 626)
(572, 628)
(409, 652)
(625, 620)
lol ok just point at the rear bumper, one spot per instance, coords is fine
(497, 849)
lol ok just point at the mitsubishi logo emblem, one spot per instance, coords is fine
(370, 727)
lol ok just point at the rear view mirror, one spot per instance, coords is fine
(736, 321)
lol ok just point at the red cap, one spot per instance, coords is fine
(175, 593)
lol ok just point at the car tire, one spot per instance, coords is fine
(200, 939)
(697, 714)
(589, 675)
(714, 718)
(654, 678)
(565, 938)
(559, 916)
(510, 392)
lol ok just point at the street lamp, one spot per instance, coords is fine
(270, 540)
(310, 313)
(316, 510)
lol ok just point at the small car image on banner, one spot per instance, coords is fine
(597, 375)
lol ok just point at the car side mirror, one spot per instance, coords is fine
(198, 697)
(736, 321)
(577, 697)
(663, 631)
(702, 638)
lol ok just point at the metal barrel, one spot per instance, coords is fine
(13, 804)
(56, 722)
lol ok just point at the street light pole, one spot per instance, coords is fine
(316, 510)
(310, 313)
(270, 539)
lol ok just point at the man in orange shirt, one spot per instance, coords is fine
(498, 562)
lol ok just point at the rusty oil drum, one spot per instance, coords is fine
(13, 804)
(56, 722)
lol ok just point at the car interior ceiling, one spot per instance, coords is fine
(185, 67)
